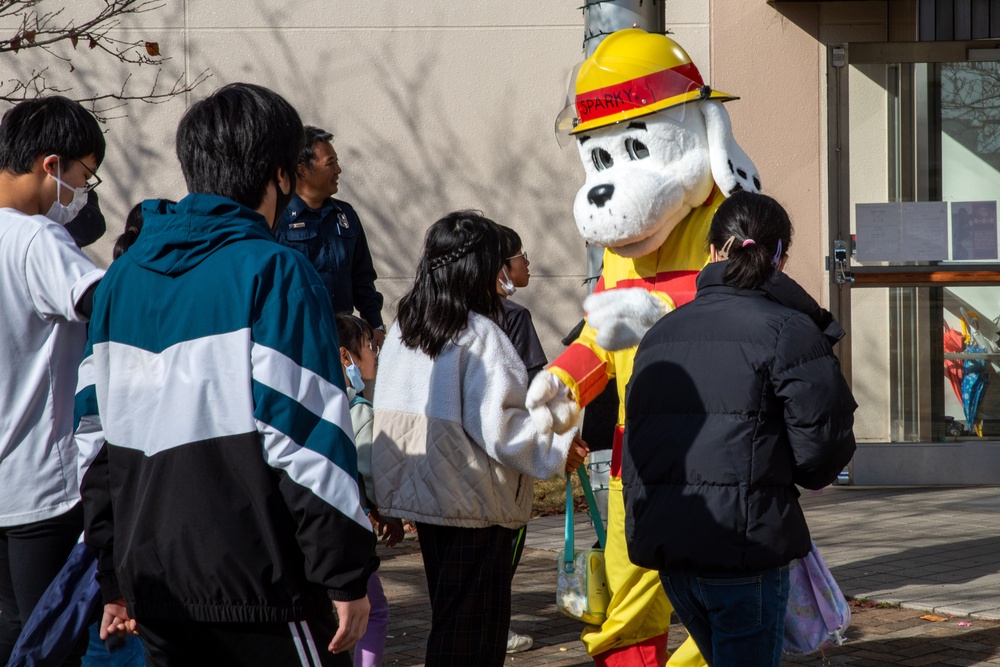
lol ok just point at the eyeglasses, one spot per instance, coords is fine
(97, 179)
(520, 254)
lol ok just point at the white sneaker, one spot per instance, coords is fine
(517, 643)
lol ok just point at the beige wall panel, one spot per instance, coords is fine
(391, 16)
(869, 307)
(686, 12)
(870, 363)
(426, 123)
(869, 141)
(775, 66)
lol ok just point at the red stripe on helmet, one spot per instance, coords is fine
(638, 93)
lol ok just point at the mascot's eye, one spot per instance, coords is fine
(602, 159)
(636, 149)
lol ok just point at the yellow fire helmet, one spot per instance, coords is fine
(633, 73)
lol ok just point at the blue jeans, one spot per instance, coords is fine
(737, 619)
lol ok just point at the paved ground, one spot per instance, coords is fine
(927, 549)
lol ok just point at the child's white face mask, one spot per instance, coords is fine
(354, 375)
(506, 284)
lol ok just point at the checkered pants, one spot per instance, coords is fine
(468, 571)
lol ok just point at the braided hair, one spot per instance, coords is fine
(457, 274)
(753, 232)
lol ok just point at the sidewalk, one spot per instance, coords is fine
(928, 549)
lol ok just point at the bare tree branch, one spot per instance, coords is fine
(45, 30)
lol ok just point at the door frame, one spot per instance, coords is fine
(920, 463)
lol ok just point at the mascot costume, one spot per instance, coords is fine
(660, 157)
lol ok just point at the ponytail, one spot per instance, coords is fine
(133, 225)
(753, 232)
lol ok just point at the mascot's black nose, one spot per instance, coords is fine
(599, 196)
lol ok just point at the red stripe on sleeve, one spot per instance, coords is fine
(584, 366)
(680, 285)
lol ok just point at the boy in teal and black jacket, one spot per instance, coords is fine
(224, 490)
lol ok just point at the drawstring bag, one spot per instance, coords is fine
(70, 604)
(818, 614)
(582, 585)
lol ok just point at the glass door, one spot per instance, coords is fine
(915, 185)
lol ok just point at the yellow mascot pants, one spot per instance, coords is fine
(639, 610)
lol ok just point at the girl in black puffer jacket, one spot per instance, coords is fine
(735, 398)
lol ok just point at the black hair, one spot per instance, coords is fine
(456, 274)
(313, 135)
(352, 332)
(133, 225)
(44, 126)
(749, 216)
(510, 244)
(233, 142)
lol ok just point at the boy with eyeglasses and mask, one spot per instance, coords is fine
(50, 150)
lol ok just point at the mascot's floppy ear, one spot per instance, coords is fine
(731, 168)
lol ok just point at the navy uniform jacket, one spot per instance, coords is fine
(334, 241)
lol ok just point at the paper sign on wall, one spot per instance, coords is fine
(878, 234)
(902, 232)
(974, 230)
(924, 231)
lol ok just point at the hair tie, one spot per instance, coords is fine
(748, 242)
(777, 256)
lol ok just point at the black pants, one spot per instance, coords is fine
(468, 573)
(520, 536)
(31, 556)
(199, 644)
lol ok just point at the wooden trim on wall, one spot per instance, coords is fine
(924, 276)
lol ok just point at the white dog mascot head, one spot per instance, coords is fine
(653, 139)
(659, 154)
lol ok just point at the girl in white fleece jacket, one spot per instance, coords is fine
(454, 449)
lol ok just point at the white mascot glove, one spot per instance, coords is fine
(550, 405)
(623, 316)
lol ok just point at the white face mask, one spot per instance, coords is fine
(62, 213)
(354, 375)
(506, 284)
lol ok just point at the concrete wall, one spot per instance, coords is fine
(438, 105)
(435, 105)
